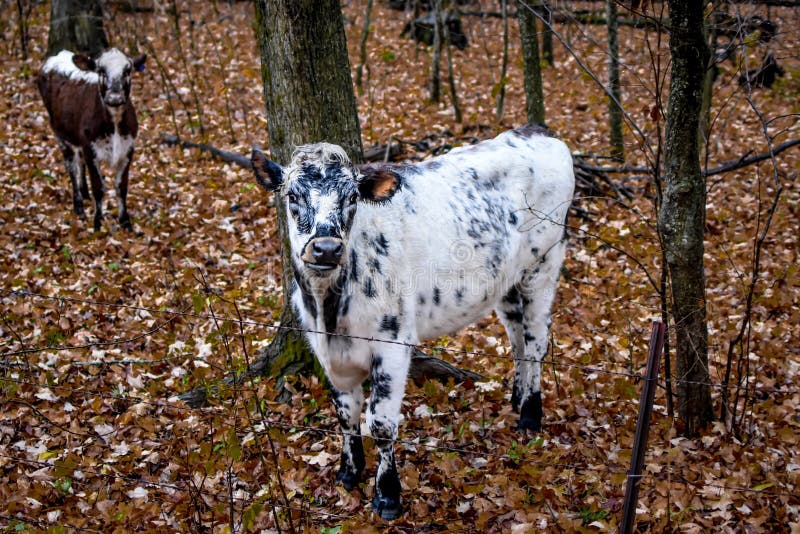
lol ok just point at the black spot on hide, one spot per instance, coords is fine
(369, 289)
(390, 324)
(308, 299)
(381, 245)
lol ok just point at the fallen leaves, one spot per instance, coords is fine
(97, 439)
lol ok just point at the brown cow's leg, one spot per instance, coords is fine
(97, 187)
(121, 183)
(74, 164)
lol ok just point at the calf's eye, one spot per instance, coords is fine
(353, 198)
(292, 198)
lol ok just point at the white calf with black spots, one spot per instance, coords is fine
(404, 252)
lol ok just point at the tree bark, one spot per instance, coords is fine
(682, 216)
(532, 65)
(76, 25)
(614, 109)
(309, 98)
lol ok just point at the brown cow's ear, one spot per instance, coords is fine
(378, 183)
(269, 174)
(84, 62)
(138, 62)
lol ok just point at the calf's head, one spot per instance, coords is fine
(321, 189)
(113, 70)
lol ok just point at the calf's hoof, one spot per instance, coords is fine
(348, 480)
(126, 224)
(527, 423)
(387, 507)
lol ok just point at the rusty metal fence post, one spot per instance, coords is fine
(642, 428)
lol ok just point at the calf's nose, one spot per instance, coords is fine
(326, 250)
(115, 99)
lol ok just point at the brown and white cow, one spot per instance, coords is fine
(91, 113)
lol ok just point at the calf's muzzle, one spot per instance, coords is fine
(324, 253)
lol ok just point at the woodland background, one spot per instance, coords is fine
(101, 331)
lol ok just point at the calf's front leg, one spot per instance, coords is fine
(388, 378)
(121, 183)
(348, 409)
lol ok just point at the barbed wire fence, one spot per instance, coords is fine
(23, 373)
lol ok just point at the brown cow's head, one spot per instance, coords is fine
(113, 69)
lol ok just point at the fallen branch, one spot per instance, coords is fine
(745, 160)
(223, 155)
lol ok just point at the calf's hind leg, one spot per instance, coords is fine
(527, 311)
(74, 164)
(349, 405)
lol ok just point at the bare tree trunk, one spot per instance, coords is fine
(708, 86)
(309, 98)
(682, 217)
(501, 89)
(24, 8)
(547, 34)
(435, 91)
(362, 53)
(450, 75)
(76, 25)
(532, 64)
(614, 109)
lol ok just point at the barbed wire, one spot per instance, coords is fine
(411, 443)
(251, 322)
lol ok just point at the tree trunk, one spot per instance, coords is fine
(309, 98)
(614, 109)
(451, 78)
(708, 85)
(76, 25)
(362, 51)
(532, 65)
(501, 90)
(434, 90)
(682, 216)
(547, 34)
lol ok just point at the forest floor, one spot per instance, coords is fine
(101, 331)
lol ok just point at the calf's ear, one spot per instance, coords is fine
(84, 62)
(378, 183)
(138, 62)
(269, 174)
